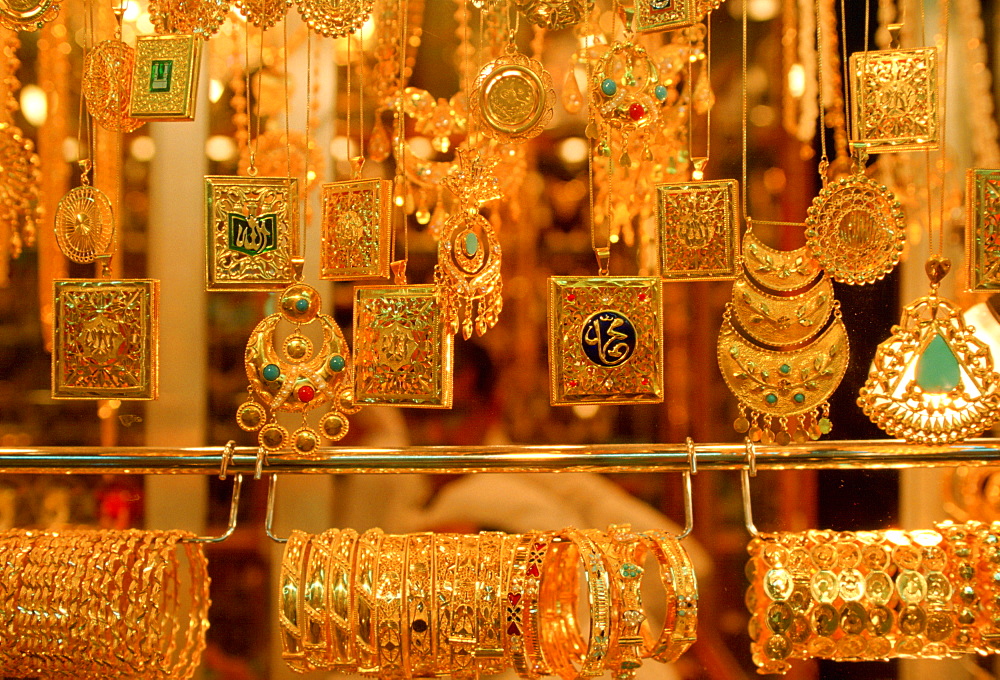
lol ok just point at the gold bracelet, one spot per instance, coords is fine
(316, 633)
(389, 595)
(495, 550)
(365, 607)
(445, 559)
(342, 654)
(678, 578)
(419, 625)
(290, 615)
(972, 561)
(558, 600)
(463, 637)
(522, 641)
(629, 553)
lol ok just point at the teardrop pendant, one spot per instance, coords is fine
(572, 98)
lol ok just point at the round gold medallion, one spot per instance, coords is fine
(513, 98)
(107, 85)
(27, 15)
(84, 224)
(251, 416)
(273, 437)
(305, 440)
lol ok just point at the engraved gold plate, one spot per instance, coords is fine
(775, 320)
(27, 15)
(105, 339)
(512, 98)
(252, 229)
(165, 77)
(84, 224)
(782, 270)
(664, 15)
(403, 356)
(698, 230)
(357, 230)
(855, 228)
(982, 228)
(605, 340)
(895, 97)
(932, 381)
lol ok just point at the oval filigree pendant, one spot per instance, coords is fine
(84, 224)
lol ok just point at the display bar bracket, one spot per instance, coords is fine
(828, 455)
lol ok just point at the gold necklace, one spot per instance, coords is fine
(512, 98)
(982, 231)
(19, 197)
(107, 82)
(165, 77)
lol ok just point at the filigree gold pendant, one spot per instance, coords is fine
(782, 320)
(512, 98)
(403, 355)
(107, 85)
(780, 270)
(27, 15)
(698, 230)
(982, 228)
(165, 77)
(356, 230)
(627, 92)
(664, 15)
(300, 377)
(932, 381)
(605, 340)
(554, 14)
(468, 273)
(895, 97)
(252, 230)
(105, 339)
(84, 224)
(855, 228)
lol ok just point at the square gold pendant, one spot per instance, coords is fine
(252, 227)
(982, 228)
(105, 339)
(605, 340)
(165, 77)
(357, 230)
(895, 99)
(663, 15)
(402, 354)
(698, 231)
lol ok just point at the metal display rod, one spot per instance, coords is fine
(822, 455)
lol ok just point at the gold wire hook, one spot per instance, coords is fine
(227, 457)
(234, 508)
(272, 487)
(258, 470)
(745, 474)
(688, 496)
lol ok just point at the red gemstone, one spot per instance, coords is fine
(642, 297)
(513, 598)
(539, 546)
(306, 393)
(645, 381)
(573, 383)
(512, 629)
(571, 297)
(533, 570)
(636, 112)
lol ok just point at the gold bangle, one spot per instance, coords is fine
(495, 550)
(290, 616)
(365, 607)
(419, 626)
(521, 639)
(340, 603)
(389, 595)
(678, 578)
(629, 553)
(445, 558)
(558, 600)
(463, 637)
(972, 560)
(316, 634)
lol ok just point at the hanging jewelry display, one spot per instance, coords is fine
(263, 13)
(933, 381)
(84, 221)
(201, 18)
(332, 18)
(664, 15)
(895, 97)
(107, 82)
(855, 227)
(982, 229)
(468, 270)
(165, 77)
(357, 230)
(554, 14)
(105, 344)
(298, 379)
(29, 15)
(512, 98)
(698, 228)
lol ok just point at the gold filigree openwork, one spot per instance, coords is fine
(895, 97)
(403, 356)
(263, 13)
(107, 85)
(554, 14)
(335, 18)
(665, 15)
(252, 230)
(201, 18)
(982, 228)
(605, 340)
(165, 77)
(512, 98)
(356, 230)
(855, 228)
(27, 15)
(84, 224)
(698, 230)
(932, 381)
(105, 339)
(19, 197)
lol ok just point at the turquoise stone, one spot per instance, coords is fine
(608, 87)
(301, 305)
(771, 398)
(471, 244)
(661, 92)
(937, 368)
(271, 372)
(337, 363)
(799, 397)
(785, 368)
(629, 570)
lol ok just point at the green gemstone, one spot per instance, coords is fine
(771, 398)
(271, 372)
(825, 425)
(937, 368)
(337, 363)
(471, 244)
(799, 397)
(629, 570)
(785, 368)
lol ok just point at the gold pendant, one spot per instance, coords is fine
(895, 97)
(262, 13)
(782, 320)
(165, 77)
(627, 92)
(554, 14)
(19, 195)
(332, 18)
(605, 340)
(781, 270)
(84, 224)
(512, 98)
(403, 356)
(664, 15)
(27, 15)
(107, 85)
(199, 17)
(298, 379)
(698, 230)
(855, 228)
(105, 339)
(932, 381)
(252, 227)
(982, 228)
(356, 230)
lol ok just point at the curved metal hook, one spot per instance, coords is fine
(688, 496)
(234, 508)
(272, 487)
(227, 457)
(258, 471)
(745, 474)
